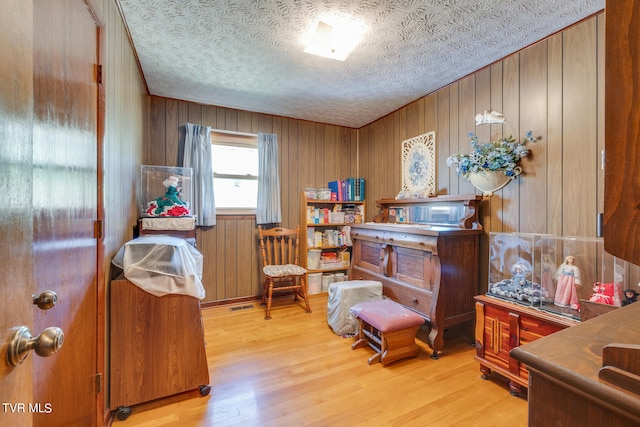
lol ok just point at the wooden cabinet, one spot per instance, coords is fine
(157, 346)
(323, 217)
(622, 129)
(502, 326)
(567, 381)
(425, 253)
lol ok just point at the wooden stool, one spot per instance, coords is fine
(387, 327)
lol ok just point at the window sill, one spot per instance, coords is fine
(238, 211)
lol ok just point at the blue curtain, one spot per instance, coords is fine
(268, 210)
(197, 156)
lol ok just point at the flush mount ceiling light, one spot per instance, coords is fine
(333, 41)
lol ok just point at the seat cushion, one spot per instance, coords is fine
(283, 270)
(386, 315)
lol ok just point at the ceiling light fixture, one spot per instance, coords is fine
(333, 41)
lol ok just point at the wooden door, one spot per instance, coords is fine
(52, 243)
(16, 229)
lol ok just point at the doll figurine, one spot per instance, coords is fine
(568, 277)
(519, 272)
(630, 296)
(600, 294)
(489, 117)
(171, 204)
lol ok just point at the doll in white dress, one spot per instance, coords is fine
(568, 278)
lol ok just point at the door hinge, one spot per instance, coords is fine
(98, 229)
(99, 383)
(99, 74)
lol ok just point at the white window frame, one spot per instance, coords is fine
(236, 139)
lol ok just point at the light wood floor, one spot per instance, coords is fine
(293, 371)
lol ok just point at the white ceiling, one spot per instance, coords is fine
(248, 54)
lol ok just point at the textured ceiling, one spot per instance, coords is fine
(248, 54)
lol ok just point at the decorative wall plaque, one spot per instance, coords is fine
(418, 167)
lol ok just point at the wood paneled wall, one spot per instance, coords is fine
(126, 123)
(554, 88)
(126, 106)
(309, 154)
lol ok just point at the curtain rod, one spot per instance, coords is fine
(232, 132)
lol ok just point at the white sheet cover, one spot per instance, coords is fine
(162, 265)
(344, 295)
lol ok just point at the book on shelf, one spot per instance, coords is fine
(336, 187)
(348, 190)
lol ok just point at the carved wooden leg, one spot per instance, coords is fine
(485, 372)
(515, 389)
(303, 289)
(435, 340)
(269, 298)
(264, 293)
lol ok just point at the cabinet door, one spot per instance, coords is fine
(369, 255)
(496, 336)
(414, 267)
(622, 127)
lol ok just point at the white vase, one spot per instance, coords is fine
(491, 181)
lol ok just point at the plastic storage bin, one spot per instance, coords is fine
(314, 283)
(327, 279)
(313, 259)
(165, 191)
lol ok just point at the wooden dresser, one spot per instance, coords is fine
(566, 386)
(428, 264)
(502, 326)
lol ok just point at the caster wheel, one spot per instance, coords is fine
(205, 390)
(484, 377)
(123, 413)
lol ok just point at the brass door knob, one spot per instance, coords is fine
(47, 343)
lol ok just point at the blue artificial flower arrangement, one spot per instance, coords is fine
(502, 155)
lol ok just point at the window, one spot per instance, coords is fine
(235, 170)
